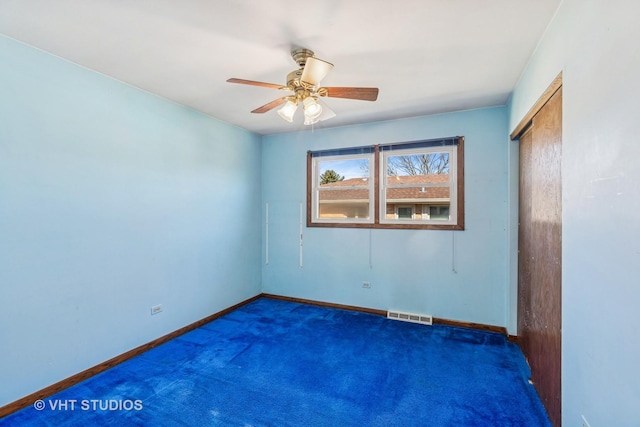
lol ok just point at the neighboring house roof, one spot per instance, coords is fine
(406, 194)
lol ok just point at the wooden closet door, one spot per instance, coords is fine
(540, 253)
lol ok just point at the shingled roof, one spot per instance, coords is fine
(418, 193)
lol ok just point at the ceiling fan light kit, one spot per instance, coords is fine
(288, 110)
(305, 85)
(311, 107)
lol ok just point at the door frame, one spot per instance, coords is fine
(544, 369)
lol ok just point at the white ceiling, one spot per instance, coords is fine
(426, 56)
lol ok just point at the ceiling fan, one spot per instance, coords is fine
(305, 85)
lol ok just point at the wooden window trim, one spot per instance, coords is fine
(375, 199)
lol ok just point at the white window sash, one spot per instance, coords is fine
(452, 185)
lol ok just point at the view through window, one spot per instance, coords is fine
(406, 185)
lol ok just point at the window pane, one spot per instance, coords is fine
(343, 209)
(416, 168)
(418, 180)
(339, 170)
(343, 189)
(420, 198)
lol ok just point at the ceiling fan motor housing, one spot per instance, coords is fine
(300, 56)
(293, 79)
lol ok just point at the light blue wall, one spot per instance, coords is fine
(112, 200)
(409, 270)
(595, 44)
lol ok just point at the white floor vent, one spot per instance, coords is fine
(410, 317)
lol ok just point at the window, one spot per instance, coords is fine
(404, 212)
(416, 178)
(406, 185)
(342, 188)
(440, 213)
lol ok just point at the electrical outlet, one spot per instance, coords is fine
(156, 309)
(366, 285)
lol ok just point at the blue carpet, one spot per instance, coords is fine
(277, 363)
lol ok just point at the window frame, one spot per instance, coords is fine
(316, 189)
(452, 185)
(376, 194)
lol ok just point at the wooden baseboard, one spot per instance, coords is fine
(470, 325)
(327, 304)
(88, 373)
(478, 326)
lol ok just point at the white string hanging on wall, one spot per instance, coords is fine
(370, 250)
(266, 235)
(453, 252)
(300, 234)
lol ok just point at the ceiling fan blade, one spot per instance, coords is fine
(315, 70)
(361, 93)
(254, 83)
(327, 113)
(271, 105)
